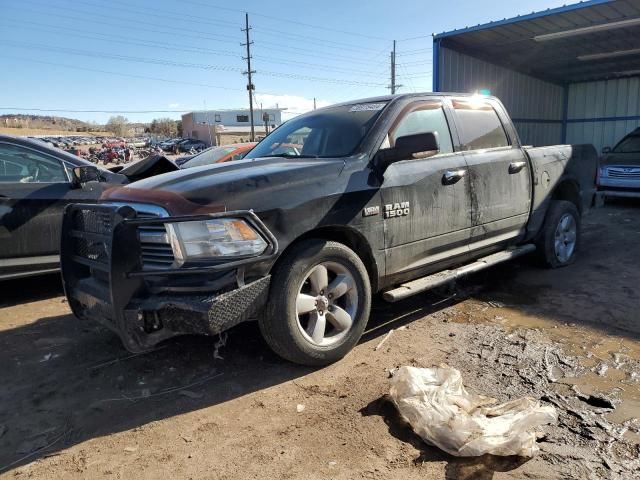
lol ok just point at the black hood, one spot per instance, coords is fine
(249, 184)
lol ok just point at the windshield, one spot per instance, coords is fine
(629, 144)
(331, 132)
(212, 155)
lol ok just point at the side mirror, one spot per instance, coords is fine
(84, 174)
(419, 145)
(606, 150)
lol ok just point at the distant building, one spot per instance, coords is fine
(202, 125)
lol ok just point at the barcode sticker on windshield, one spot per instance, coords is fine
(364, 107)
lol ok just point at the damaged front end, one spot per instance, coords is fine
(128, 267)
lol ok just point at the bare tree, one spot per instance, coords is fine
(164, 126)
(118, 125)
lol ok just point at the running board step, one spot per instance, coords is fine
(441, 278)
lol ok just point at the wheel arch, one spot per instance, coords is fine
(568, 189)
(347, 236)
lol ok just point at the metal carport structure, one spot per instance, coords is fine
(567, 75)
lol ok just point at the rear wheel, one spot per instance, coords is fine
(319, 303)
(560, 236)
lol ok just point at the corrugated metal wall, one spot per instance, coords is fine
(536, 106)
(603, 112)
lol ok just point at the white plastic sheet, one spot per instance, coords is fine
(440, 410)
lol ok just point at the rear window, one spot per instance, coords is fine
(479, 126)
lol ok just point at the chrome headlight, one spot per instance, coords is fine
(214, 239)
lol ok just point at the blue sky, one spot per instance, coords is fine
(181, 55)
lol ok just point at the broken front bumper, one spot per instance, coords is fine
(104, 279)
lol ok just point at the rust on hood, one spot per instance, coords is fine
(172, 202)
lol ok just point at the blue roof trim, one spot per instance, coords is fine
(522, 18)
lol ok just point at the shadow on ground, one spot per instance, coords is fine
(70, 381)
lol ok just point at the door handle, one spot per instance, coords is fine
(453, 176)
(515, 167)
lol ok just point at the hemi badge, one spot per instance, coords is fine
(370, 211)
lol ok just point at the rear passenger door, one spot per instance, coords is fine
(499, 176)
(426, 205)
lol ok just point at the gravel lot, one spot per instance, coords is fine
(74, 404)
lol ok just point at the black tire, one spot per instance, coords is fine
(546, 244)
(280, 325)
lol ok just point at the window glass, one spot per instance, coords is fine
(242, 118)
(325, 133)
(428, 118)
(630, 144)
(479, 126)
(19, 164)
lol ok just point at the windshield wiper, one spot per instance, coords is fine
(288, 155)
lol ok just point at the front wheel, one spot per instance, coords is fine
(319, 303)
(560, 236)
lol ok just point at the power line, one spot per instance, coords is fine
(230, 24)
(113, 17)
(92, 111)
(118, 39)
(417, 62)
(178, 47)
(202, 36)
(93, 54)
(307, 52)
(318, 65)
(129, 75)
(421, 52)
(172, 16)
(153, 61)
(342, 45)
(214, 38)
(418, 37)
(288, 21)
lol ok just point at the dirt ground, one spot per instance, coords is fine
(74, 404)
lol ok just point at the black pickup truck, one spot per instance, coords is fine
(394, 194)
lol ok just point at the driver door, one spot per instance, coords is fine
(426, 201)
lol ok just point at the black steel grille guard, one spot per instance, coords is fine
(123, 218)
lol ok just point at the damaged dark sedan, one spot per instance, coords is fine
(36, 182)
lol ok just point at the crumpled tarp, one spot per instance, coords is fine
(440, 410)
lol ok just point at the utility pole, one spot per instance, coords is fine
(250, 86)
(393, 86)
(393, 69)
(314, 103)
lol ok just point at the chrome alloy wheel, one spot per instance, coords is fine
(327, 303)
(565, 238)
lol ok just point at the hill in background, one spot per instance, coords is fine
(47, 122)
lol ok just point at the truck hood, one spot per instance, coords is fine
(621, 159)
(242, 184)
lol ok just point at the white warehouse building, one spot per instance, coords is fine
(203, 124)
